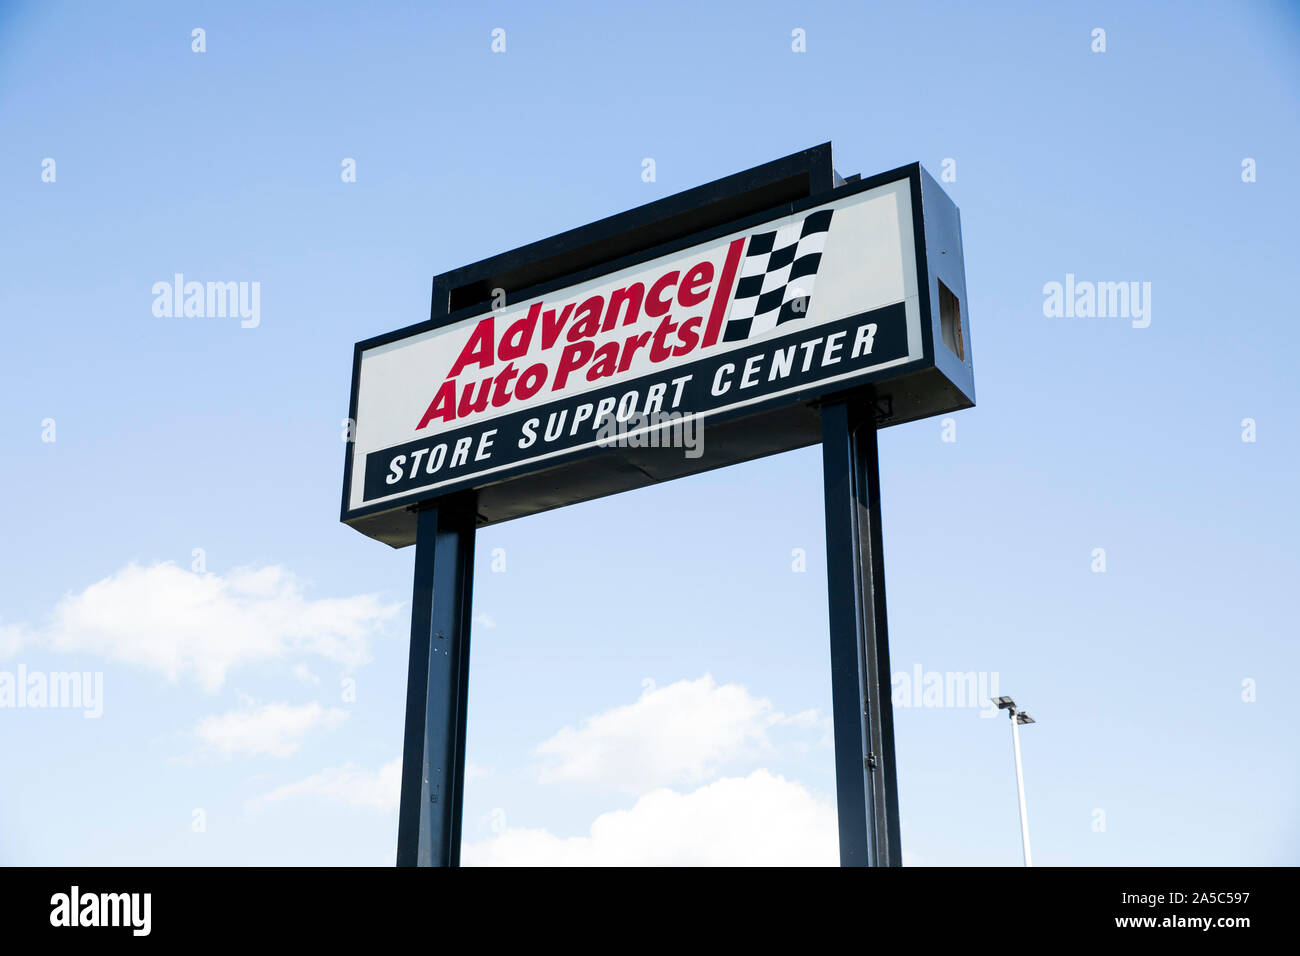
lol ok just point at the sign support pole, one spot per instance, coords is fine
(433, 755)
(866, 781)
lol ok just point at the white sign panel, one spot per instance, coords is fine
(793, 307)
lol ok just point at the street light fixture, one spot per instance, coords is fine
(1018, 717)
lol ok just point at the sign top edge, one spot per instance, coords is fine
(650, 250)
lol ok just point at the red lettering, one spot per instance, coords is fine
(631, 297)
(572, 358)
(723, 296)
(477, 404)
(532, 379)
(689, 335)
(587, 327)
(654, 304)
(630, 346)
(689, 292)
(477, 350)
(551, 328)
(657, 351)
(500, 395)
(606, 361)
(442, 406)
(514, 343)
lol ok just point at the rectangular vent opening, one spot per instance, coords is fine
(950, 321)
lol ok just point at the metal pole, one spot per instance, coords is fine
(433, 754)
(866, 783)
(1020, 787)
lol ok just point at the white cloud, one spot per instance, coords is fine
(271, 729)
(201, 626)
(682, 733)
(759, 820)
(349, 785)
(12, 639)
(305, 674)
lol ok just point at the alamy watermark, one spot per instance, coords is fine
(653, 430)
(946, 689)
(56, 690)
(1098, 300)
(208, 300)
(129, 910)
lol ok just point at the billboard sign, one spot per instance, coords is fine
(810, 301)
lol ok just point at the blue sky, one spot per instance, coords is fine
(649, 664)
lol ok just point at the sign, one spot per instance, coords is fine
(807, 302)
(779, 307)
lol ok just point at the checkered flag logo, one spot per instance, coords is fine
(776, 278)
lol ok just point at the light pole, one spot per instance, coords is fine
(1017, 718)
